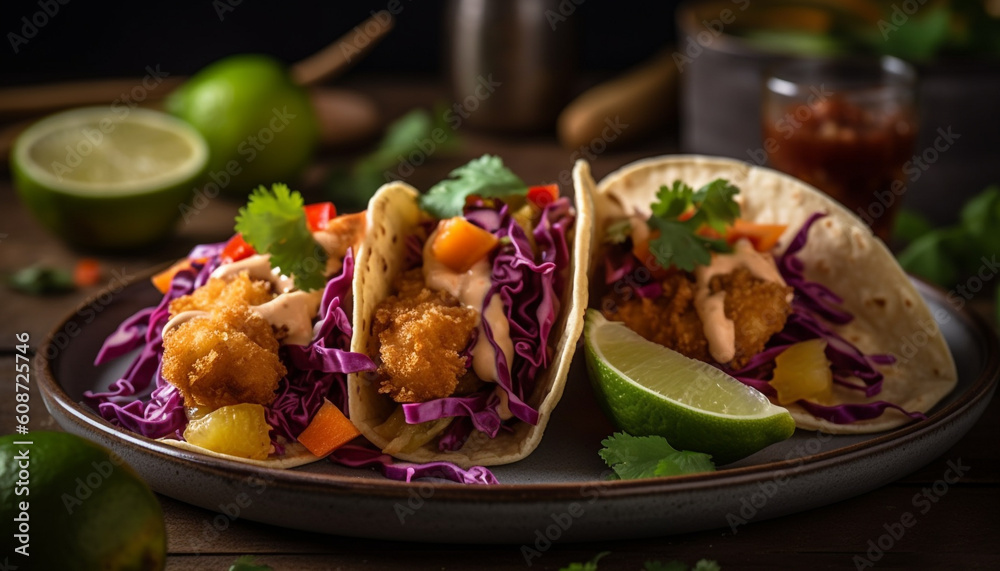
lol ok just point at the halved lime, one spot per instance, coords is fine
(108, 177)
(648, 389)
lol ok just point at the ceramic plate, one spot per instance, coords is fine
(559, 492)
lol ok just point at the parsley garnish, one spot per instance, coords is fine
(274, 222)
(633, 457)
(485, 177)
(678, 243)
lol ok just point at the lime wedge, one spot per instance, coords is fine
(648, 389)
(107, 177)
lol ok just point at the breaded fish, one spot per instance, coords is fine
(229, 356)
(421, 336)
(758, 309)
(219, 293)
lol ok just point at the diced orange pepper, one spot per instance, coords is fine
(762, 236)
(329, 430)
(162, 280)
(460, 243)
(640, 249)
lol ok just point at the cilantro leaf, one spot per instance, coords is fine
(248, 563)
(588, 566)
(41, 280)
(274, 222)
(701, 565)
(485, 177)
(716, 205)
(677, 245)
(678, 242)
(668, 566)
(634, 457)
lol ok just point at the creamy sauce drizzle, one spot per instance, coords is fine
(470, 288)
(258, 267)
(720, 330)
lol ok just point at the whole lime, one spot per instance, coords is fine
(67, 503)
(106, 178)
(261, 128)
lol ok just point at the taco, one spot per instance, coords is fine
(249, 341)
(772, 281)
(470, 300)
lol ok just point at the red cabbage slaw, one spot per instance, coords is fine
(316, 371)
(529, 291)
(813, 304)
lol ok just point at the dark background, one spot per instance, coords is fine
(119, 38)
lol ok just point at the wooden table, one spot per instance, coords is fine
(960, 531)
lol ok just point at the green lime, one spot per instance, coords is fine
(260, 126)
(71, 504)
(648, 389)
(108, 178)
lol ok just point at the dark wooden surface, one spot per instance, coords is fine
(960, 531)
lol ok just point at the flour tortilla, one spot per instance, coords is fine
(841, 253)
(295, 455)
(393, 214)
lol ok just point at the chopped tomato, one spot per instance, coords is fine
(319, 214)
(543, 195)
(640, 249)
(87, 273)
(237, 249)
(762, 236)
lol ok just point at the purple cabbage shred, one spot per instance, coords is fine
(359, 457)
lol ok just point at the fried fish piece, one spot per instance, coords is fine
(669, 320)
(421, 335)
(229, 356)
(218, 293)
(758, 309)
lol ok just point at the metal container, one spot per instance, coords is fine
(511, 62)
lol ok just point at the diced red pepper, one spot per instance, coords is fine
(237, 249)
(87, 272)
(543, 195)
(319, 214)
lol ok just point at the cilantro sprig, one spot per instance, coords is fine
(678, 243)
(274, 222)
(486, 177)
(634, 457)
